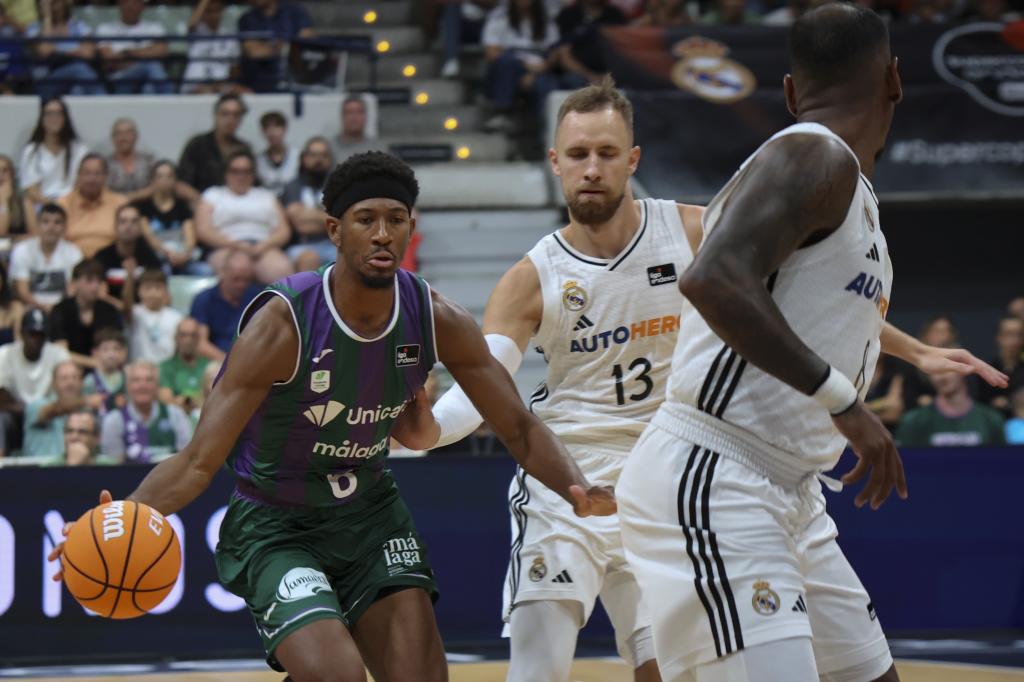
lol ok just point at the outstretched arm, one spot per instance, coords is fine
(796, 192)
(933, 360)
(264, 352)
(464, 352)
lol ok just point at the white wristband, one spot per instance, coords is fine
(836, 394)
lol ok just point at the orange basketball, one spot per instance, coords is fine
(121, 559)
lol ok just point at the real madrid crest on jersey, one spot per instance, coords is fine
(538, 570)
(765, 600)
(574, 297)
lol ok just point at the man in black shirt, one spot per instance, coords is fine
(202, 161)
(129, 250)
(75, 319)
(579, 50)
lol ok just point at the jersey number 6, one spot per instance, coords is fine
(620, 393)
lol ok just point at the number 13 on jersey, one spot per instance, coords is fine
(643, 377)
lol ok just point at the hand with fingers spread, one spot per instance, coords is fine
(58, 551)
(416, 427)
(593, 501)
(876, 451)
(934, 360)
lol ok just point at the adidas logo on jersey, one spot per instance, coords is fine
(562, 577)
(661, 274)
(873, 254)
(800, 605)
(583, 323)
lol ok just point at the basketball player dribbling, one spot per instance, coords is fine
(720, 501)
(600, 300)
(316, 538)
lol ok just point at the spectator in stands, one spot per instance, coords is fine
(787, 14)
(50, 160)
(145, 427)
(219, 308)
(1015, 424)
(202, 160)
(91, 207)
(885, 392)
(62, 66)
(134, 65)
(107, 379)
(517, 38)
(243, 217)
(81, 438)
(46, 418)
(169, 227)
(19, 14)
(263, 65)
(76, 319)
(152, 322)
(181, 376)
(17, 214)
(41, 266)
(952, 419)
(1010, 361)
(212, 64)
(579, 52)
(918, 389)
(26, 371)
(462, 23)
(130, 252)
(11, 309)
(664, 13)
(304, 207)
(12, 66)
(26, 366)
(352, 139)
(129, 168)
(1016, 308)
(730, 13)
(278, 164)
(410, 259)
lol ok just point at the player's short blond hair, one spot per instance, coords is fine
(596, 97)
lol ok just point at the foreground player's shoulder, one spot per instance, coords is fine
(516, 305)
(692, 217)
(269, 340)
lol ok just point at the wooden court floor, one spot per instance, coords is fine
(583, 671)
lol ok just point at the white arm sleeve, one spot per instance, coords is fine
(454, 411)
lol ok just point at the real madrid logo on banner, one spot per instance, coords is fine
(574, 297)
(705, 71)
(538, 570)
(765, 600)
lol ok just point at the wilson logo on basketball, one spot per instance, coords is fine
(113, 521)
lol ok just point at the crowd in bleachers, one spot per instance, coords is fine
(93, 353)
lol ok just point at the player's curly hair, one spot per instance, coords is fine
(366, 166)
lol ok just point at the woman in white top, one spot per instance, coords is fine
(240, 216)
(49, 162)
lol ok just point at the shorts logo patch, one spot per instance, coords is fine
(407, 356)
(538, 570)
(301, 583)
(765, 600)
(320, 380)
(661, 274)
(401, 553)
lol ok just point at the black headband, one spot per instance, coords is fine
(371, 188)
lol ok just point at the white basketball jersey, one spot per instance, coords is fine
(608, 330)
(834, 294)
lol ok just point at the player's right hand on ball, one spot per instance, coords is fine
(55, 555)
(875, 450)
(594, 501)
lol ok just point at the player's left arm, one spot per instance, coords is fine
(464, 353)
(934, 360)
(693, 224)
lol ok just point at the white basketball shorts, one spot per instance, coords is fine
(557, 555)
(728, 559)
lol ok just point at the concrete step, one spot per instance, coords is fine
(350, 16)
(400, 39)
(439, 91)
(391, 67)
(476, 185)
(427, 120)
(468, 245)
(545, 219)
(480, 146)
